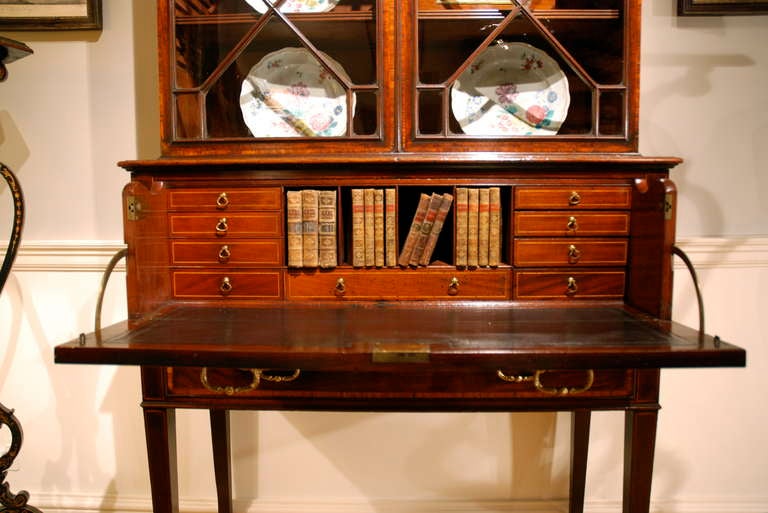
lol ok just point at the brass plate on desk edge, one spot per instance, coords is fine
(400, 353)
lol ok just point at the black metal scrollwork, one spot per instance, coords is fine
(18, 223)
(10, 501)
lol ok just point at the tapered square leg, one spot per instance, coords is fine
(639, 446)
(160, 430)
(222, 459)
(580, 420)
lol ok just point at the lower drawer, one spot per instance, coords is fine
(221, 284)
(295, 383)
(561, 285)
(398, 284)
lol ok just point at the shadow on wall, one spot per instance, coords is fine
(402, 457)
(14, 151)
(688, 77)
(146, 79)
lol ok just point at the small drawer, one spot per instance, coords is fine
(267, 252)
(576, 197)
(570, 252)
(267, 224)
(563, 285)
(398, 284)
(262, 198)
(559, 224)
(408, 384)
(230, 285)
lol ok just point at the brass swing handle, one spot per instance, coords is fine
(536, 379)
(258, 376)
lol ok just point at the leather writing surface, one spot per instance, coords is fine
(345, 337)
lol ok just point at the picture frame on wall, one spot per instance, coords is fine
(721, 7)
(50, 15)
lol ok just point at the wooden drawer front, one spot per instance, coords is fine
(266, 252)
(202, 200)
(561, 285)
(570, 252)
(576, 197)
(561, 224)
(398, 284)
(231, 285)
(267, 224)
(298, 384)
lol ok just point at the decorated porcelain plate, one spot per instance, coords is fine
(511, 89)
(296, 5)
(289, 93)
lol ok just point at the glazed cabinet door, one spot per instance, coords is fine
(273, 76)
(521, 75)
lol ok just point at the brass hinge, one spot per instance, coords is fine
(132, 208)
(669, 207)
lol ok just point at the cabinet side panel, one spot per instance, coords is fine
(649, 285)
(146, 234)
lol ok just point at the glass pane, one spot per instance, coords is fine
(311, 72)
(430, 105)
(188, 116)
(560, 54)
(612, 113)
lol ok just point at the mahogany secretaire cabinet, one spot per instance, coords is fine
(412, 205)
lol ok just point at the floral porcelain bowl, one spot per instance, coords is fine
(289, 93)
(511, 89)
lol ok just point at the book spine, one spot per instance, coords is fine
(483, 206)
(461, 226)
(309, 215)
(414, 231)
(472, 226)
(294, 228)
(437, 226)
(494, 227)
(327, 229)
(390, 227)
(370, 243)
(426, 228)
(378, 227)
(358, 228)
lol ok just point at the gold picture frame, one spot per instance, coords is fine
(50, 15)
(721, 7)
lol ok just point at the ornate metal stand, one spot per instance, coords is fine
(10, 51)
(9, 500)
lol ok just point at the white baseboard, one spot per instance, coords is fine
(121, 504)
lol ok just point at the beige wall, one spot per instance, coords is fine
(87, 100)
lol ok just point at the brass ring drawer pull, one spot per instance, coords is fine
(224, 254)
(226, 286)
(258, 376)
(536, 378)
(574, 199)
(453, 286)
(341, 287)
(572, 224)
(571, 287)
(222, 201)
(574, 255)
(222, 227)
